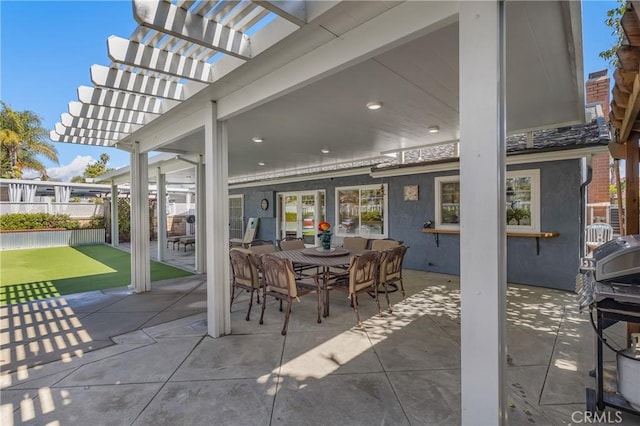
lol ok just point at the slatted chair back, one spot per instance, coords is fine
(597, 234)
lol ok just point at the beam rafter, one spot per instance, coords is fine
(80, 140)
(127, 81)
(80, 110)
(132, 53)
(292, 10)
(123, 100)
(633, 108)
(86, 133)
(169, 19)
(68, 120)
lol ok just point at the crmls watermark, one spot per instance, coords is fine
(587, 417)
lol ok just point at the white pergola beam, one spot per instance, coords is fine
(128, 81)
(169, 19)
(292, 10)
(80, 110)
(139, 55)
(122, 100)
(68, 120)
(86, 133)
(55, 137)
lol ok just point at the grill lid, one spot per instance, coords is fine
(618, 260)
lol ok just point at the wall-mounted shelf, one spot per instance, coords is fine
(537, 235)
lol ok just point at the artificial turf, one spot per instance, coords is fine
(32, 274)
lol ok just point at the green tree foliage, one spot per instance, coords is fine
(22, 140)
(613, 21)
(94, 170)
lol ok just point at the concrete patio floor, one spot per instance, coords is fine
(118, 358)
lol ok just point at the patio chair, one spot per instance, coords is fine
(280, 282)
(597, 234)
(391, 269)
(262, 246)
(291, 243)
(245, 275)
(362, 277)
(355, 243)
(384, 244)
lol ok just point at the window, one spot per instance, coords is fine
(360, 211)
(235, 216)
(447, 201)
(523, 201)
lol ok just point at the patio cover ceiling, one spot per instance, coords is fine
(185, 53)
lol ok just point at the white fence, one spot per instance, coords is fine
(74, 210)
(39, 238)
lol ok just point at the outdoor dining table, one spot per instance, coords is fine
(325, 259)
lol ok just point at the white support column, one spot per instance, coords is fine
(201, 223)
(161, 212)
(217, 219)
(140, 267)
(482, 225)
(188, 200)
(115, 233)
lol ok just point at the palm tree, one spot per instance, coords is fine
(22, 139)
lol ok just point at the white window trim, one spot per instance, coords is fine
(385, 213)
(438, 219)
(534, 174)
(241, 197)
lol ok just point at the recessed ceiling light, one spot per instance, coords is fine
(325, 151)
(433, 129)
(374, 105)
(257, 139)
(261, 163)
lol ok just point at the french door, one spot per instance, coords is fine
(299, 214)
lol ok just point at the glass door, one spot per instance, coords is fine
(299, 213)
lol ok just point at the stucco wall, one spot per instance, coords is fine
(555, 267)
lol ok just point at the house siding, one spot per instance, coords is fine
(555, 267)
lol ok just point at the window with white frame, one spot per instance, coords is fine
(522, 196)
(361, 210)
(236, 211)
(523, 200)
(447, 192)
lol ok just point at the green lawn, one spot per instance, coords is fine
(32, 274)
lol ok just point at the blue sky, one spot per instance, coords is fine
(47, 47)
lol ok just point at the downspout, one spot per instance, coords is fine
(587, 173)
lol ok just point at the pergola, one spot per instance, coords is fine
(625, 111)
(205, 77)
